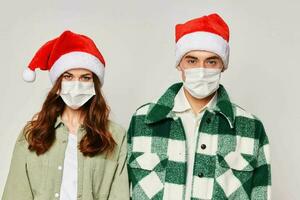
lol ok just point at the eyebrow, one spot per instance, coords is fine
(213, 57)
(87, 74)
(68, 73)
(191, 57)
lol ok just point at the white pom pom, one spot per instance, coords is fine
(28, 75)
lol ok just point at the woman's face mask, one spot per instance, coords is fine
(76, 93)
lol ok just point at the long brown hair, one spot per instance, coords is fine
(40, 131)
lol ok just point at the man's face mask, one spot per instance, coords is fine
(202, 82)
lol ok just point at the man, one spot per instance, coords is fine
(194, 143)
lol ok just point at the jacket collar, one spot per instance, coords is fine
(162, 109)
(58, 121)
(80, 131)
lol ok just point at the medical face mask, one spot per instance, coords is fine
(76, 93)
(202, 82)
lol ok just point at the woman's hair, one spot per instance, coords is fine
(40, 131)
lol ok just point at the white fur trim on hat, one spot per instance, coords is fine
(77, 59)
(29, 75)
(202, 41)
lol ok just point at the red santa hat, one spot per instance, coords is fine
(68, 51)
(208, 33)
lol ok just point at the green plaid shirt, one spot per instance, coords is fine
(233, 164)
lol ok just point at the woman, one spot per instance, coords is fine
(70, 149)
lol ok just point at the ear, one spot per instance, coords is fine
(223, 69)
(181, 71)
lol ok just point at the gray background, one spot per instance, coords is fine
(137, 41)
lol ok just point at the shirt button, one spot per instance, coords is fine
(59, 167)
(208, 120)
(200, 175)
(56, 195)
(203, 146)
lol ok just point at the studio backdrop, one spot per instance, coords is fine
(138, 43)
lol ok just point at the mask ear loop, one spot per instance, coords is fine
(182, 72)
(179, 68)
(223, 67)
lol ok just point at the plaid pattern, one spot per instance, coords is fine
(234, 164)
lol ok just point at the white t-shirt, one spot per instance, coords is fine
(191, 123)
(68, 190)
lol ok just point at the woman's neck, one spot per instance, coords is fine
(72, 119)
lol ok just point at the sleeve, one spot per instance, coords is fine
(129, 150)
(17, 184)
(261, 184)
(120, 188)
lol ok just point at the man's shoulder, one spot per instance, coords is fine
(162, 100)
(143, 109)
(242, 112)
(244, 117)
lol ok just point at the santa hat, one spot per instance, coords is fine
(208, 33)
(68, 51)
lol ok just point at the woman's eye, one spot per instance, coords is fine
(67, 77)
(86, 78)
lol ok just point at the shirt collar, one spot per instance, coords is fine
(81, 129)
(181, 103)
(163, 108)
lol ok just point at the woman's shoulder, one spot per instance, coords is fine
(117, 131)
(21, 138)
(21, 146)
(116, 128)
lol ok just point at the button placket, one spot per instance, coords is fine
(56, 195)
(200, 175)
(208, 120)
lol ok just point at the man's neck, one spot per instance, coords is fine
(197, 104)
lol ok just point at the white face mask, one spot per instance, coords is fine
(76, 93)
(202, 82)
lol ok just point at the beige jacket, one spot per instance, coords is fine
(101, 177)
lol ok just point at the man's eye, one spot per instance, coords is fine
(191, 61)
(212, 62)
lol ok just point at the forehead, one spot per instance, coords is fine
(79, 71)
(201, 54)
